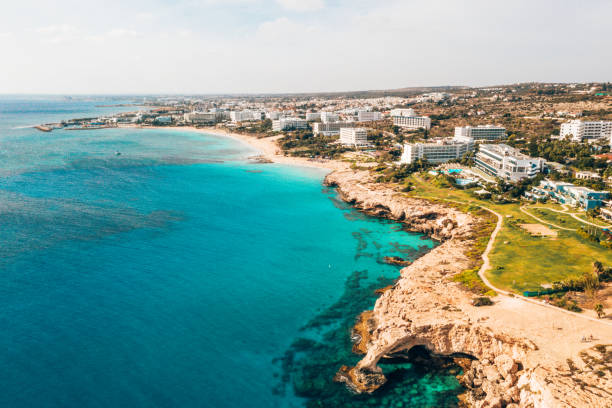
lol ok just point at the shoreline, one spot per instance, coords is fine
(266, 147)
(518, 359)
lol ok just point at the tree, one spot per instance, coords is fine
(599, 310)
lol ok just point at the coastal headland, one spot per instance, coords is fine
(513, 353)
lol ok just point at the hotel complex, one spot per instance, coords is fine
(289, 124)
(331, 128)
(507, 163)
(367, 116)
(327, 117)
(488, 132)
(587, 131)
(439, 151)
(353, 136)
(407, 118)
(568, 193)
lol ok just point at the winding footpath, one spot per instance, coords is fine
(487, 264)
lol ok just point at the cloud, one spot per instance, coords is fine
(302, 5)
(56, 34)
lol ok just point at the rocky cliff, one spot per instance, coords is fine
(503, 365)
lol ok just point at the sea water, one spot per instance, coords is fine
(162, 268)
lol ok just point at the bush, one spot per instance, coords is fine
(482, 301)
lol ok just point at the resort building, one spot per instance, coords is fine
(403, 112)
(273, 115)
(201, 118)
(478, 133)
(327, 117)
(587, 175)
(246, 116)
(313, 116)
(580, 131)
(367, 116)
(568, 193)
(353, 136)
(330, 129)
(289, 124)
(163, 120)
(507, 163)
(439, 151)
(407, 118)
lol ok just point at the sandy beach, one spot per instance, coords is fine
(265, 146)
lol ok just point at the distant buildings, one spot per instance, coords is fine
(164, 120)
(568, 193)
(407, 118)
(313, 116)
(587, 175)
(246, 116)
(353, 136)
(282, 124)
(327, 117)
(330, 129)
(507, 163)
(478, 133)
(368, 116)
(439, 151)
(273, 115)
(201, 118)
(579, 130)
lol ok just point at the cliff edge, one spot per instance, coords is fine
(513, 353)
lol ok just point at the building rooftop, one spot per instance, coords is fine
(505, 150)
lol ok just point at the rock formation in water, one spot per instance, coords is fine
(503, 366)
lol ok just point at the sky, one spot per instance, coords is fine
(279, 46)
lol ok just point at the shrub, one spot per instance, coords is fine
(482, 301)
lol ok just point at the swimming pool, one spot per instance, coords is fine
(464, 182)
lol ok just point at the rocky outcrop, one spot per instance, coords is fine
(426, 308)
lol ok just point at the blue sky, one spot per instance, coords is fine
(217, 46)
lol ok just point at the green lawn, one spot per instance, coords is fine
(561, 220)
(520, 261)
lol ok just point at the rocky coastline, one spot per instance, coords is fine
(502, 365)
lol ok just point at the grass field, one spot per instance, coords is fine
(559, 219)
(521, 261)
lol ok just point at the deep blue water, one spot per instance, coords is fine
(172, 275)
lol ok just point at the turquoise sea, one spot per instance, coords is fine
(180, 274)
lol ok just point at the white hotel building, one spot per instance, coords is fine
(246, 116)
(507, 163)
(353, 136)
(327, 117)
(201, 117)
(289, 124)
(407, 118)
(330, 129)
(488, 132)
(313, 116)
(586, 131)
(437, 151)
(368, 116)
